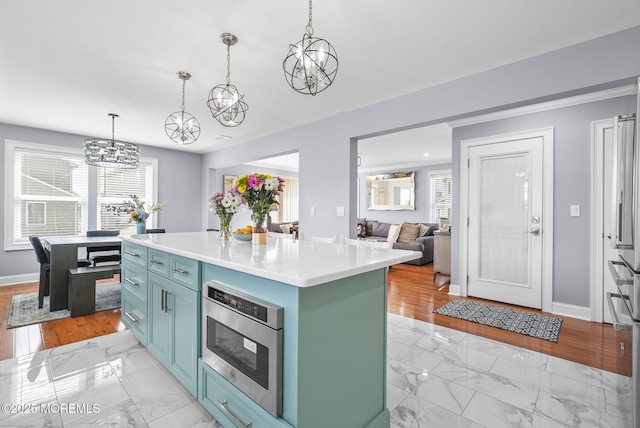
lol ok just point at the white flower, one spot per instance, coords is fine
(234, 199)
(271, 183)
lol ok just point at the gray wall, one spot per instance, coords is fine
(571, 186)
(179, 183)
(328, 171)
(243, 217)
(420, 214)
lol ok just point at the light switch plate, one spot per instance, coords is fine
(340, 211)
(575, 210)
(313, 211)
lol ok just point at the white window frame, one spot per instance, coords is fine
(152, 189)
(11, 242)
(10, 230)
(431, 194)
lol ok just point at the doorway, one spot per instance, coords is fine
(507, 200)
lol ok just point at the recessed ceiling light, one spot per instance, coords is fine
(426, 154)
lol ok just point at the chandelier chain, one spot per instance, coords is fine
(184, 81)
(228, 64)
(310, 26)
(113, 129)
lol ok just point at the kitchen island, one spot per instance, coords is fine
(334, 330)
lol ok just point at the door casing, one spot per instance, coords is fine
(547, 202)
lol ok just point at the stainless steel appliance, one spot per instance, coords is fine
(625, 237)
(242, 340)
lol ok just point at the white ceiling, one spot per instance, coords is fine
(66, 64)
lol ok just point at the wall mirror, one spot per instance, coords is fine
(394, 191)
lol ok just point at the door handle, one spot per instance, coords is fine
(535, 231)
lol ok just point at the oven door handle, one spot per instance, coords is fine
(616, 321)
(617, 278)
(222, 405)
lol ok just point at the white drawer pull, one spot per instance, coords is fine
(132, 254)
(156, 262)
(131, 317)
(132, 282)
(180, 270)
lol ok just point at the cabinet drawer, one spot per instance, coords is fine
(134, 279)
(134, 315)
(134, 253)
(158, 262)
(185, 271)
(213, 389)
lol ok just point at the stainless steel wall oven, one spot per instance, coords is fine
(242, 340)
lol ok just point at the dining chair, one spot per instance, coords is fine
(43, 258)
(112, 250)
(155, 231)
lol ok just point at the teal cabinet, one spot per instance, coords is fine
(133, 280)
(161, 307)
(174, 328)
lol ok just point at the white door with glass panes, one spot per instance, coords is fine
(506, 223)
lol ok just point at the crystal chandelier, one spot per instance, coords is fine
(182, 127)
(111, 153)
(311, 64)
(225, 102)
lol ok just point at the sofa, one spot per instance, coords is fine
(286, 227)
(411, 236)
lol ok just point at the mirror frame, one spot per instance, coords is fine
(389, 178)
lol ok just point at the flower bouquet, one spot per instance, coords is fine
(137, 210)
(225, 205)
(259, 192)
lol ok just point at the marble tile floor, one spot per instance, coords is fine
(437, 377)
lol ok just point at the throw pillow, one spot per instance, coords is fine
(286, 228)
(394, 232)
(408, 232)
(361, 229)
(424, 230)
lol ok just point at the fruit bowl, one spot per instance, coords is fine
(242, 236)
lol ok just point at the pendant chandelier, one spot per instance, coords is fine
(182, 127)
(111, 153)
(311, 64)
(225, 101)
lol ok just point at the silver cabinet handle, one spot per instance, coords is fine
(131, 317)
(132, 282)
(180, 270)
(132, 254)
(616, 321)
(223, 406)
(162, 301)
(156, 262)
(617, 278)
(166, 301)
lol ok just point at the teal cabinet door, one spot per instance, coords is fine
(184, 309)
(159, 318)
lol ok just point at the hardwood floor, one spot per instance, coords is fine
(412, 292)
(25, 340)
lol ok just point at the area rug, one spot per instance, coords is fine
(24, 307)
(527, 323)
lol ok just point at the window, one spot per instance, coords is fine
(116, 185)
(47, 192)
(441, 197)
(288, 208)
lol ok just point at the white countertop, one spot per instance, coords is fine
(295, 262)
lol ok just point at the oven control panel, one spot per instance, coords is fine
(246, 305)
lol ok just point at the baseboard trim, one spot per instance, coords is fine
(18, 279)
(454, 290)
(573, 311)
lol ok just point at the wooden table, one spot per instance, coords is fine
(63, 255)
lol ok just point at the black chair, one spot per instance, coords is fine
(155, 231)
(43, 258)
(114, 255)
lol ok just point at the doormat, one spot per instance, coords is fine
(527, 323)
(24, 307)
